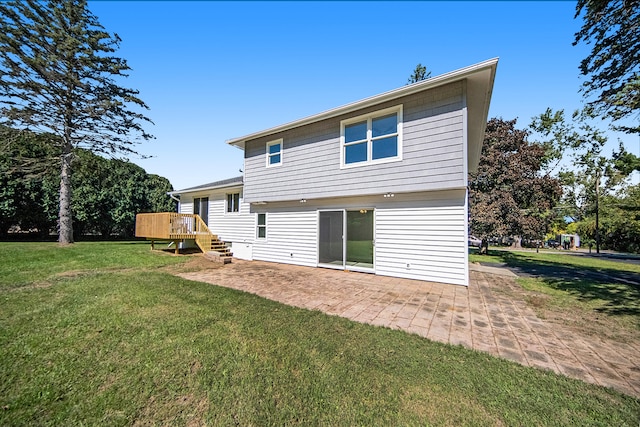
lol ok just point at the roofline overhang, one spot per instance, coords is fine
(200, 189)
(433, 82)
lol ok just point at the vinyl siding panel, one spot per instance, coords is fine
(291, 238)
(426, 241)
(230, 227)
(433, 154)
(186, 206)
(425, 230)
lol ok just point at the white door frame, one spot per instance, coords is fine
(344, 265)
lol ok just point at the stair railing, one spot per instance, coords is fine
(203, 234)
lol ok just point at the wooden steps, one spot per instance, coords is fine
(218, 257)
(219, 247)
(177, 227)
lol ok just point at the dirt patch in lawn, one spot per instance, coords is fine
(195, 262)
(575, 317)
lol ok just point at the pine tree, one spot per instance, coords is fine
(612, 68)
(419, 74)
(58, 76)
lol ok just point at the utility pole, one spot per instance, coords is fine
(598, 211)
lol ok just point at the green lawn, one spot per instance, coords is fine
(101, 334)
(577, 282)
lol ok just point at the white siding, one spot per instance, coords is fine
(426, 242)
(424, 230)
(291, 238)
(418, 235)
(230, 226)
(186, 205)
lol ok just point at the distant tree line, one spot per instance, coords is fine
(553, 177)
(523, 191)
(107, 192)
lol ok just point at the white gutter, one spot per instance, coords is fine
(374, 100)
(198, 189)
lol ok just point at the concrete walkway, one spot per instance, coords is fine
(476, 317)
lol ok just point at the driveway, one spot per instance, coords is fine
(480, 317)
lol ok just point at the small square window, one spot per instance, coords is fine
(274, 153)
(261, 228)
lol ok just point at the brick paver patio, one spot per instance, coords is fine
(475, 317)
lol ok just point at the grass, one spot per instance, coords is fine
(594, 288)
(27, 264)
(104, 336)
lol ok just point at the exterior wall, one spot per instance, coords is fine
(186, 205)
(434, 156)
(418, 236)
(424, 240)
(291, 237)
(229, 226)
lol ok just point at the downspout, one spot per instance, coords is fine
(177, 199)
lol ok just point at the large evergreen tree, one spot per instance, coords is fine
(612, 27)
(58, 76)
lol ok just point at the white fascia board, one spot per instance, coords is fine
(432, 82)
(202, 189)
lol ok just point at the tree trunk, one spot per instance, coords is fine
(65, 235)
(484, 247)
(517, 242)
(598, 211)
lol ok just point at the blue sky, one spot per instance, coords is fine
(212, 71)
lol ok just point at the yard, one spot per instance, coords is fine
(103, 333)
(596, 295)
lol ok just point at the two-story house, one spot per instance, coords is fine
(377, 186)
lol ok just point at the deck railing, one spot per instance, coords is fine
(202, 233)
(165, 225)
(174, 226)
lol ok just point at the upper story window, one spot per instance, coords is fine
(274, 153)
(233, 202)
(372, 138)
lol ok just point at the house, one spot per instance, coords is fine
(377, 186)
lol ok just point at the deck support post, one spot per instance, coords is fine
(152, 246)
(177, 243)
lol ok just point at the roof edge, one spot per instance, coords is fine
(232, 182)
(429, 83)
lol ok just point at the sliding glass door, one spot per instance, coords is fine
(346, 239)
(360, 239)
(331, 245)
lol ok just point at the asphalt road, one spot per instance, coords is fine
(572, 273)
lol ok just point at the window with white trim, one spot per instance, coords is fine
(261, 227)
(274, 153)
(233, 202)
(372, 138)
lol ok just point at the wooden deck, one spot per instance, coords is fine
(177, 227)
